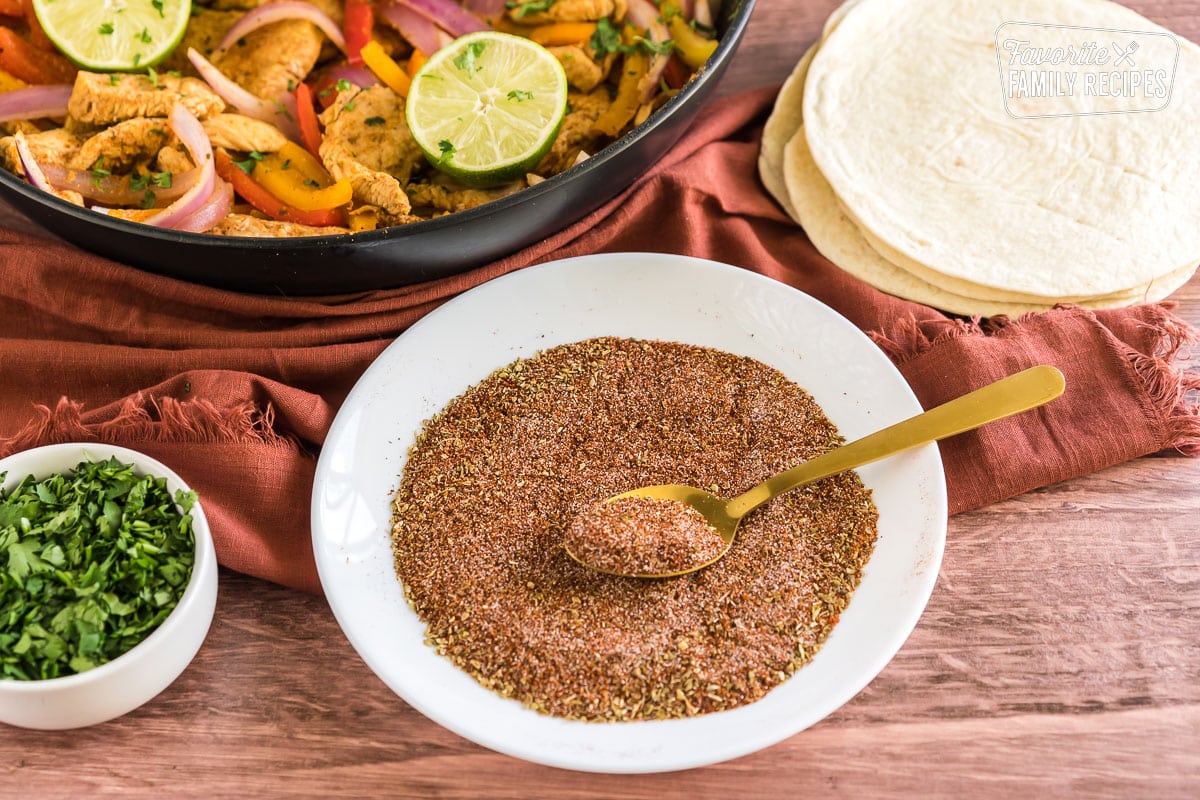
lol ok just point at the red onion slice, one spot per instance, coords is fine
(417, 29)
(112, 190)
(486, 9)
(33, 172)
(211, 211)
(35, 102)
(276, 113)
(359, 76)
(191, 133)
(644, 14)
(274, 12)
(446, 14)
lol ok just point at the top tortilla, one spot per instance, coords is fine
(904, 116)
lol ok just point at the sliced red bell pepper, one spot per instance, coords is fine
(677, 73)
(357, 26)
(306, 117)
(37, 36)
(254, 194)
(22, 60)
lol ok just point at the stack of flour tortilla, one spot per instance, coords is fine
(916, 158)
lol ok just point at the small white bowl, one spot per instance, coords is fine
(136, 676)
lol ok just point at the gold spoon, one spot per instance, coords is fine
(1012, 395)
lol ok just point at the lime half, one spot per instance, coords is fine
(121, 35)
(486, 107)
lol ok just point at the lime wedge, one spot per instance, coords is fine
(114, 35)
(486, 107)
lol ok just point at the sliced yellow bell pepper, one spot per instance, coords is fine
(385, 68)
(557, 34)
(9, 82)
(694, 49)
(295, 177)
(629, 95)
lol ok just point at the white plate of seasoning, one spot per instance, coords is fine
(640, 295)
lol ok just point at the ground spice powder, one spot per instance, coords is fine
(494, 480)
(642, 536)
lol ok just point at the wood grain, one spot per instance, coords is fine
(1058, 657)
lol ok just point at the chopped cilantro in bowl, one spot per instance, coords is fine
(107, 583)
(96, 559)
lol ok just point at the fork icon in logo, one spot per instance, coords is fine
(1125, 54)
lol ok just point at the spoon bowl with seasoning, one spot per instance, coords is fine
(672, 529)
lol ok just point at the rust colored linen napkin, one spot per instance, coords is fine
(236, 392)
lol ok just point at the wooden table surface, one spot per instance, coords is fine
(1059, 656)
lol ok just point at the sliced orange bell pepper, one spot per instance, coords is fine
(257, 195)
(415, 62)
(37, 36)
(556, 34)
(385, 68)
(22, 60)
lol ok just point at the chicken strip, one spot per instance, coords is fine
(270, 61)
(367, 142)
(540, 12)
(246, 225)
(446, 198)
(577, 134)
(204, 32)
(246, 134)
(104, 99)
(582, 72)
(55, 146)
(119, 147)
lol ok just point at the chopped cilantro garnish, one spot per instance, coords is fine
(606, 38)
(466, 59)
(158, 6)
(447, 150)
(91, 561)
(518, 95)
(252, 159)
(148, 200)
(655, 48)
(145, 36)
(106, 29)
(523, 9)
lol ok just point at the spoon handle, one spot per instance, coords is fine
(1016, 393)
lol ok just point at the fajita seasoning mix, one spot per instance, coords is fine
(642, 536)
(494, 480)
